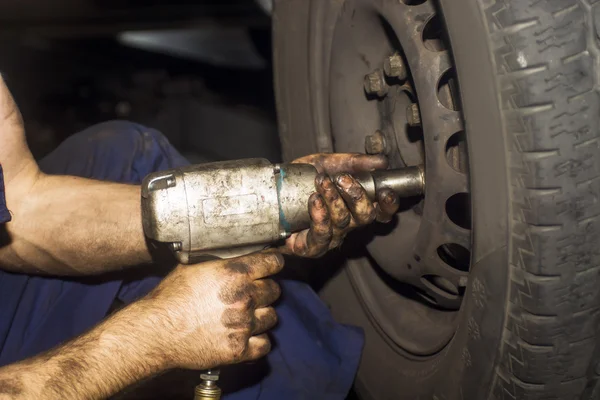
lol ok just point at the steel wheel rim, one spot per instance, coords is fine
(421, 321)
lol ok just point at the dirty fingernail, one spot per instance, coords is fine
(390, 198)
(344, 181)
(318, 203)
(327, 184)
(319, 179)
(379, 159)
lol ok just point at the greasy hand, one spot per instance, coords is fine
(217, 313)
(341, 205)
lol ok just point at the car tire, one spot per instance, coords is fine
(529, 75)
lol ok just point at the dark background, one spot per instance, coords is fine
(199, 71)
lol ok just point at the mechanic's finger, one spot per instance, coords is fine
(320, 232)
(313, 242)
(357, 200)
(338, 211)
(257, 265)
(265, 293)
(337, 240)
(258, 346)
(334, 163)
(265, 319)
(387, 205)
(341, 218)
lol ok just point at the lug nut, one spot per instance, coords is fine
(413, 116)
(375, 143)
(375, 83)
(394, 67)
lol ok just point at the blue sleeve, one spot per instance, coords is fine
(4, 214)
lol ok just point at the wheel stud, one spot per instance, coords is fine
(375, 143)
(375, 83)
(394, 67)
(413, 116)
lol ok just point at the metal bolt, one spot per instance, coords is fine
(375, 83)
(413, 116)
(375, 143)
(394, 67)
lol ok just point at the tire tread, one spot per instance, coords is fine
(547, 68)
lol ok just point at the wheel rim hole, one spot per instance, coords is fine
(414, 134)
(456, 152)
(413, 2)
(433, 32)
(455, 255)
(458, 209)
(426, 296)
(447, 90)
(442, 284)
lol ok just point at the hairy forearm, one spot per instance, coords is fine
(67, 225)
(122, 350)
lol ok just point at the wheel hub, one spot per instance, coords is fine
(408, 108)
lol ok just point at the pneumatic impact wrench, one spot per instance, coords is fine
(228, 209)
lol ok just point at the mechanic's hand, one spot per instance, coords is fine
(217, 313)
(341, 205)
(20, 169)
